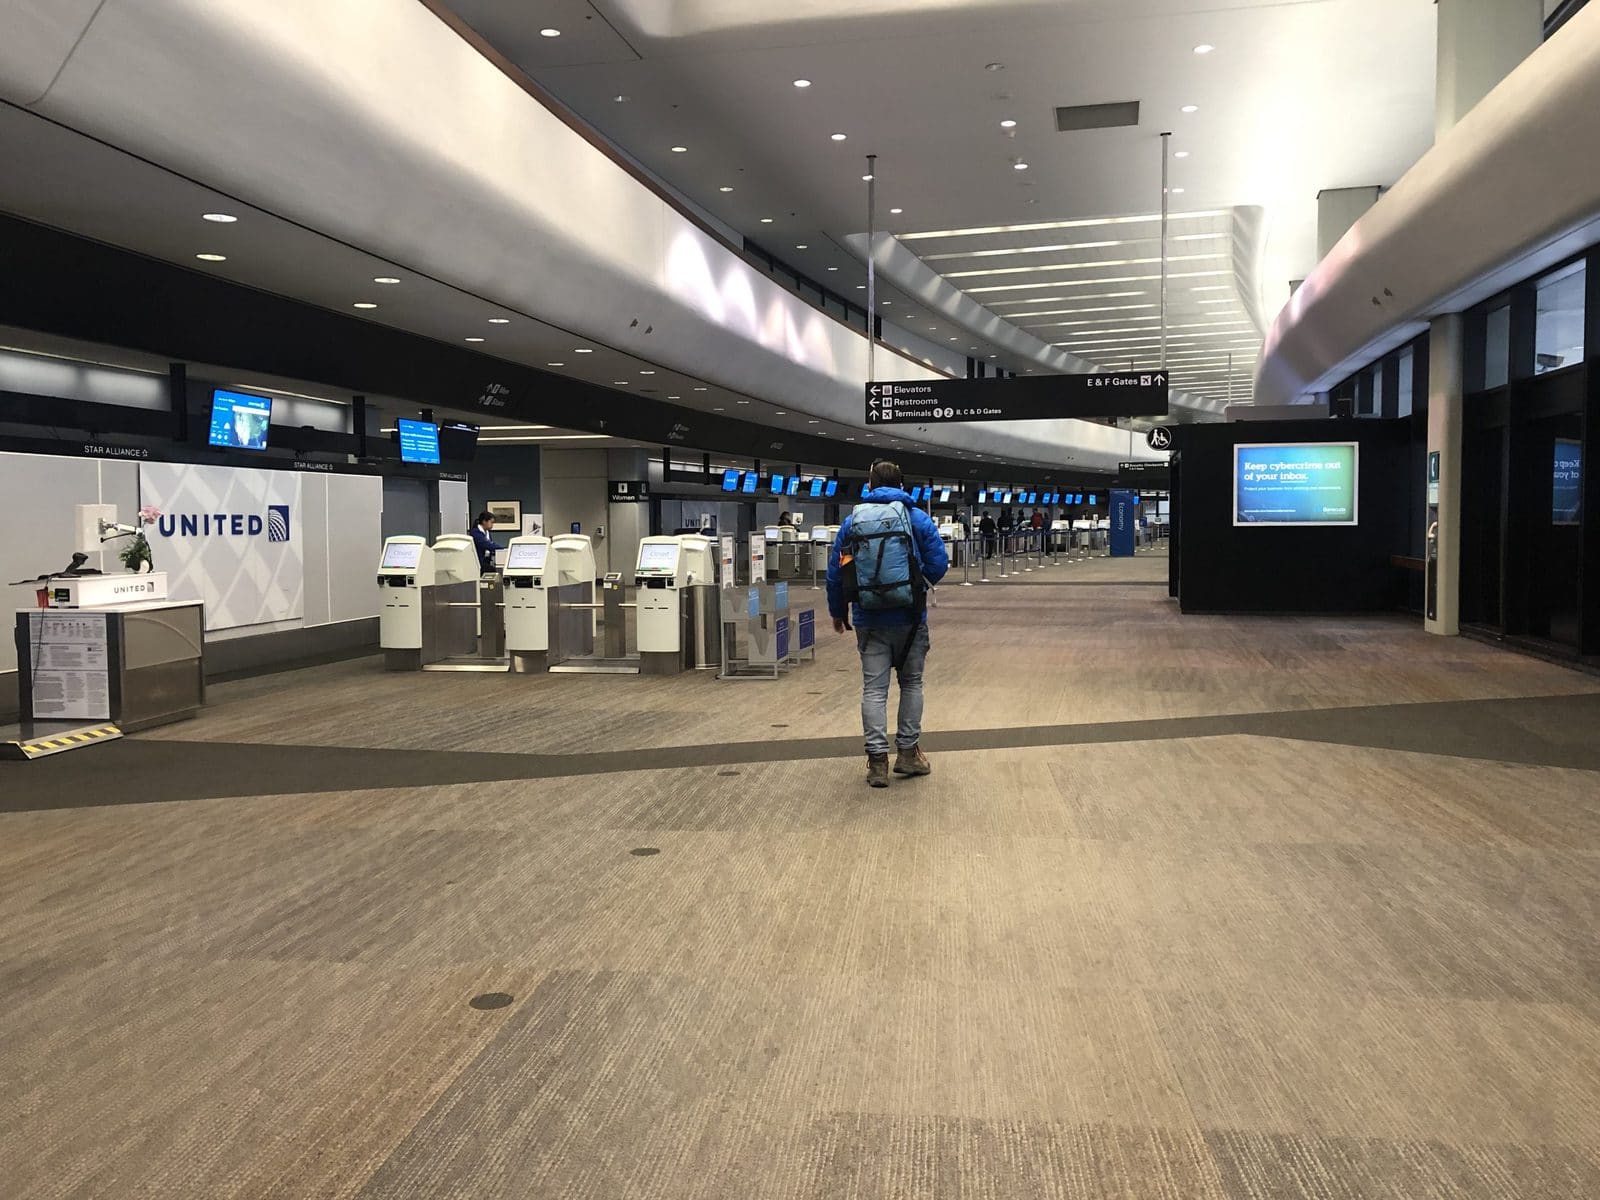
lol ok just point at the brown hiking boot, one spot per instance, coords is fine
(912, 761)
(877, 770)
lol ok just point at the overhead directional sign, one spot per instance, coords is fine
(1036, 398)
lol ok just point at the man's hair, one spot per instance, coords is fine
(886, 474)
(484, 516)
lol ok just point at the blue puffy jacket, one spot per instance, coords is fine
(931, 557)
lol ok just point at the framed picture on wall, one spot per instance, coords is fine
(506, 513)
(532, 523)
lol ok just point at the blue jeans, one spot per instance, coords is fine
(879, 647)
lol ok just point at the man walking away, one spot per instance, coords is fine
(987, 529)
(886, 557)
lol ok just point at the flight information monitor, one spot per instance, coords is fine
(794, 485)
(983, 497)
(816, 487)
(776, 485)
(527, 556)
(1295, 483)
(748, 487)
(658, 558)
(944, 496)
(401, 556)
(238, 421)
(419, 441)
(832, 489)
(916, 494)
(730, 481)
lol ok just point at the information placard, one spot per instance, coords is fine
(1295, 483)
(69, 668)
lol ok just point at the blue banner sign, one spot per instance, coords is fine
(1124, 518)
(1297, 483)
(781, 638)
(807, 629)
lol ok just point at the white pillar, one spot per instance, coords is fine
(1480, 43)
(1445, 408)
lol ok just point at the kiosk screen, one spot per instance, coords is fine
(658, 558)
(527, 556)
(401, 556)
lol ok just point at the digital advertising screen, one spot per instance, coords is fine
(238, 421)
(1295, 483)
(1566, 483)
(816, 488)
(730, 481)
(419, 441)
(401, 556)
(527, 556)
(659, 558)
(832, 489)
(751, 479)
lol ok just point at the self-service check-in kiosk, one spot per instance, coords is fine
(527, 603)
(569, 584)
(405, 570)
(676, 597)
(429, 601)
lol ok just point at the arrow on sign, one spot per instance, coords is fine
(873, 389)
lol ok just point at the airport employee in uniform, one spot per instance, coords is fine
(886, 557)
(487, 546)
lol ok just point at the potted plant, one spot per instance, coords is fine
(136, 556)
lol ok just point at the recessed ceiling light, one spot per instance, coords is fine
(888, 301)
(474, 339)
(1177, 191)
(557, 364)
(619, 99)
(813, 421)
(583, 350)
(897, 211)
(866, 179)
(802, 83)
(952, 339)
(741, 401)
(1190, 108)
(645, 372)
(619, 383)
(994, 66)
(931, 328)
(861, 287)
(385, 279)
(499, 320)
(212, 257)
(1204, 48)
(718, 408)
(833, 268)
(674, 397)
(219, 218)
(766, 220)
(838, 137)
(701, 389)
(780, 413)
(1181, 154)
(802, 246)
(364, 304)
(1019, 166)
(549, 33)
(680, 149)
(1008, 123)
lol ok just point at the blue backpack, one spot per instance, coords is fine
(883, 553)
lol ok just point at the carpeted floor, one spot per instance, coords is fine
(1190, 908)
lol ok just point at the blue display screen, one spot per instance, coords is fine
(794, 485)
(1295, 483)
(983, 497)
(240, 422)
(816, 487)
(832, 489)
(916, 494)
(1566, 491)
(730, 481)
(751, 479)
(1094, 500)
(776, 485)
(419, 441)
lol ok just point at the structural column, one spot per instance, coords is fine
(1446, 407)
(1480, 43)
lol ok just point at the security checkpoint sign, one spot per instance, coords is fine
(1036, 398)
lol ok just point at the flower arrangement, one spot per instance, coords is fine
(136, 555)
